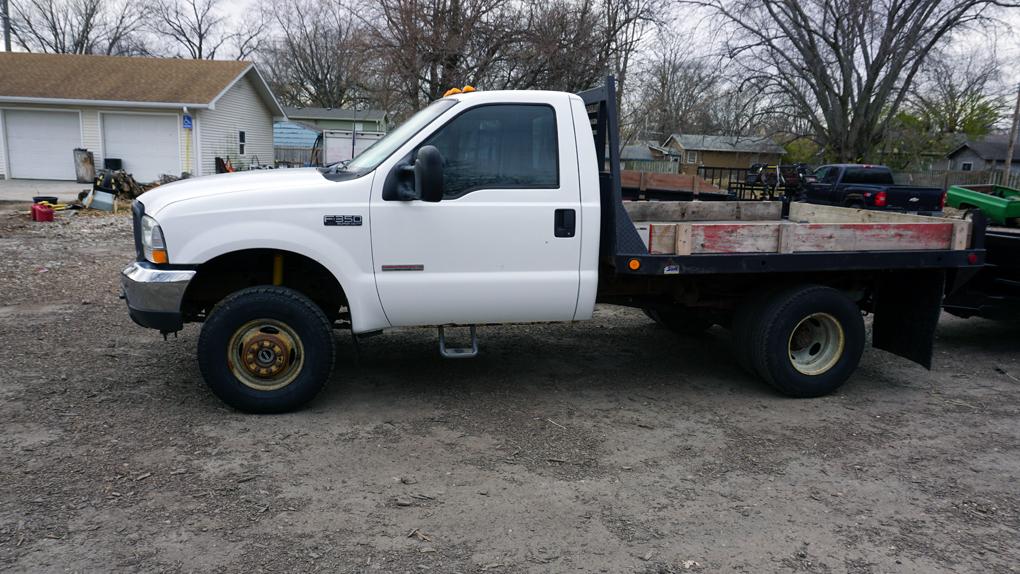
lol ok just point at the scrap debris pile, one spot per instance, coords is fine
(108, 187)
(122, 185)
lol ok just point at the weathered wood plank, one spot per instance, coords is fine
(659, 238)
(738, 237)
(704, 210)
(812, 213)
(684, 238)
(787, 236)
(872, 236)
(961, 234)
(666, 182)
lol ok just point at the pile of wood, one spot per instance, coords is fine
(119, 183)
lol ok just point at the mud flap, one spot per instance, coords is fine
(907, 307)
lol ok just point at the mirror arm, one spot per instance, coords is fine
(407, 193)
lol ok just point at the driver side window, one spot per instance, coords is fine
(826, 175)
(505, 146)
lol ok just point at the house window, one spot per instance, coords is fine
(967, 166)
(692, 157)
(240, 142)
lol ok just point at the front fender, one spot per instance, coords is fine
(346, 252)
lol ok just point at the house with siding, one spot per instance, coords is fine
(697, 150)
(152, 116)
(985, 154)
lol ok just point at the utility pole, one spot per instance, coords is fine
(1012, 138)
(5, 13)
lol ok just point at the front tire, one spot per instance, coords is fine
(805, 341)
(266, 350)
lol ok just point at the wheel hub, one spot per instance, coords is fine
(265, 354)
(816, 344)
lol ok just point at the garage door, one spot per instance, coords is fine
(40, 145)
(147, 144)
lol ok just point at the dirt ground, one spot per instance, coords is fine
(605, 446)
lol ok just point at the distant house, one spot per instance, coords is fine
(156, 116)
(339, 118)
(642, 151)
(983, 155)
(696, 150)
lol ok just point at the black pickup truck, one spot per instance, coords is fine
(869, 187)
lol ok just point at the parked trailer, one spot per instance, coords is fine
(1000, 204)
(489, 207)
(994, 291)
(333, 146)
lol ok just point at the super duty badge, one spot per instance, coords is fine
(342, 220)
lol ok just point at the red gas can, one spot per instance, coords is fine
(41, 212)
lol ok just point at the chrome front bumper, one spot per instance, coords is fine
(154, 294)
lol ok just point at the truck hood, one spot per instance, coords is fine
(220, 184)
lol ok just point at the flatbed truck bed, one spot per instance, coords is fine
(726, 266)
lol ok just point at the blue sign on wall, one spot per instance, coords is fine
(186, 121)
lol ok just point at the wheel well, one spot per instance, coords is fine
(237, 270)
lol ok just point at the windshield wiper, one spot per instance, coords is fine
(336, 167)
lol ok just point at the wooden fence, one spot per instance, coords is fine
(944, 179)
(651, 165)
(292, 156)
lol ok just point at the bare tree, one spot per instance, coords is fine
(959, 93)
(678, 90)
(78, 26)
(316, 60)
(554, 45)
(627, 22)
(846, 66)
(422, 48)
(197, 29)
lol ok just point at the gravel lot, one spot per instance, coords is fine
(606, 446)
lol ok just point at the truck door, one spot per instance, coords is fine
(502, 245)
(823, 188)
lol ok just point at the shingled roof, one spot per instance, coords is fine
(334, 114)
(748, 144)
(991, 148)
(122, 81)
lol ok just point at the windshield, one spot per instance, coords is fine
(380, 150)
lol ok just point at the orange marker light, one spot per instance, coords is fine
(451, 92)
(467, 89)
(634, 264)
(159, 256)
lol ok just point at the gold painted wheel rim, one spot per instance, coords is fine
(816, 344)
(265, 354)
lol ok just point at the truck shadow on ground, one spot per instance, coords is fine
(525, 360)
(976, 334)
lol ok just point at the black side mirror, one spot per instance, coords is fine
(428, 174)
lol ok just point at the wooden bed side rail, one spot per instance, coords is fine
(692, 238)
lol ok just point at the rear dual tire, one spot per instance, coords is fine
(805, 341)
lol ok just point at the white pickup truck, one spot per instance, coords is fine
(505, 207)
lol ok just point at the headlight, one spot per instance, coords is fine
(153, 244)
